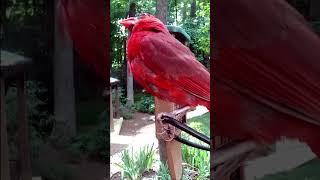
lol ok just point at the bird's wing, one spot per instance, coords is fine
(170, 59)
(86, 23)
(269, 58)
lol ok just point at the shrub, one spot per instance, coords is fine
(126, 112)
(40, 120)
(145, 104)
(134, 164)
(94, 143)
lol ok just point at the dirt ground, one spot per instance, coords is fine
(134, 133)
(141, 124)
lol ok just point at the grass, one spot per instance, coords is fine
(307, 171)
(198, 160)
(201, 123)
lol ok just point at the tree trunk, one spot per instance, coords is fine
(193, 9)
(64, 98)
(23, 130)
(130, 99)
(4, 150)
(162, 10)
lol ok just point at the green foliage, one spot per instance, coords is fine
(121, 94)
(198, 160)
(197, 27)
(118, 10)
(178, 14)
(126, 113)
(40, 120)
(134, 164)
(94, 143)
(163, 173)
(27, 16)
(19, 11)
(145, 104)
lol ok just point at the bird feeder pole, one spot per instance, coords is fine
(170, 151)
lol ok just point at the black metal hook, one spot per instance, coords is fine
(172, 121)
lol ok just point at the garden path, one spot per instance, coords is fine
(136, 133)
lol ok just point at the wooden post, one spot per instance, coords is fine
(117, 102)
(170, 151)
(23, 133)
(5, 169)
(111, 111)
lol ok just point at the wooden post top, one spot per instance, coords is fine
(11, 64)
(114, 82)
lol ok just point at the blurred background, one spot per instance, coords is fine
(65, 133)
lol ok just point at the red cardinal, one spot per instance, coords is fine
(86, 23)
(163, 66)
(267, 73)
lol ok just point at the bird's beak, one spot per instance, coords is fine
(128, 23)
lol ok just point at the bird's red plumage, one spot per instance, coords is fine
(86, 23)
(160, 63)
(165, 67)
(267, 73)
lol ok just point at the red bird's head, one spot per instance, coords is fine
(129, 22)
(144, 22)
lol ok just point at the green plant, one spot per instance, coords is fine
(78, 145)
(145, 158)
(129, 168)
(197, 159)
(94, 143)
(126, 112)
(163, 173)
(145, 104)
(134, 164)
(40, 120)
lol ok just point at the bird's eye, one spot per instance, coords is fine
(131, 27)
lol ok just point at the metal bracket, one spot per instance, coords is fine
(168, 131)
(172, 124)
